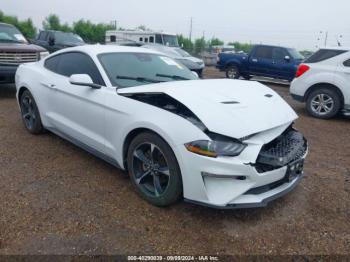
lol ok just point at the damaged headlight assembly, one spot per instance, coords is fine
(216, 148)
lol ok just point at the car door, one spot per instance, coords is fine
(282, 67)
(77, 112)
(260, 61)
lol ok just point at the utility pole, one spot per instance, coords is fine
(114, 24)
(191, 24)
(325, 39)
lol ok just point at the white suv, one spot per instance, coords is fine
(323, 82)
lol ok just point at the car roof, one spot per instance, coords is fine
(336, 48)
(94, 50)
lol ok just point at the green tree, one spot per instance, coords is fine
(185, 43)
(245, 47)
(52, 22)
(91, 33)
(215, 42)
(199, 45)
(26, 27)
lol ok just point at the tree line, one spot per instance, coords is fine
(95, 33)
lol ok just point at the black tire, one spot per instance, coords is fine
(143, 173)
(247, 77)
(30, 113)
(317, 106)
(232, 72)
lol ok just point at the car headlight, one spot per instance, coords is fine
(42, 55)
(215, 148)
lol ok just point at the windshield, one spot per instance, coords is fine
(183, 53)
(295, 54)
(10, 33)
(63, 38)
(133, 69)
(170, 40)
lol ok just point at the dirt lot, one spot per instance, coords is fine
(58, 199)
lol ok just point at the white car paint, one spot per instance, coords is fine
(330, 71)
(101, 120)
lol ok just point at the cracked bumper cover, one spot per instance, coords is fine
(261, 183)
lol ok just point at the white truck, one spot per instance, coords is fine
(120, 37)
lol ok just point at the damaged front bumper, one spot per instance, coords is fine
(277, 171)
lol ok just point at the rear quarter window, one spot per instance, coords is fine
(264, 52)
(324, 54)
(52, 63)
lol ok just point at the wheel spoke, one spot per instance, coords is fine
(141, 156)
(157, 187)
(164, 170)
(328, 101)
(138, 180)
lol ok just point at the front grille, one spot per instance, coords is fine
(288, 147)
(16, 58)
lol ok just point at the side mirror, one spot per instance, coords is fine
(51, 40)
(83, 80)
(287, 58)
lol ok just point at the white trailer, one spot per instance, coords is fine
(119, 37)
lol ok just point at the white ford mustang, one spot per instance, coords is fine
(221, 143)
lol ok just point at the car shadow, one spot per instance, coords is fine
(7, 91)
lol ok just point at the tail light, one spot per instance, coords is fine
(302, 69)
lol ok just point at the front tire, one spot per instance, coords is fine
(323, 103)
(154, 170)
(30, 113)
(232, 72)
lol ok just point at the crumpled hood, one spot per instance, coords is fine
(234, 108)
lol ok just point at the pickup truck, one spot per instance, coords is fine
(57, 40)
(263, 60)
(15, 50)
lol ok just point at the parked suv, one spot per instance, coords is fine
(15, 50)
(263, 60)
(57, 40)
(323, 83)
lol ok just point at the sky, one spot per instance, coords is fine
(292, 23)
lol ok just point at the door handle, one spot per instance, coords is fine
(254, 60)
(51, 86)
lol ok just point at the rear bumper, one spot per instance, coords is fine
(7, 73)
(297, 97)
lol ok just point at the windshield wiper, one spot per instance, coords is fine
(175, 77)
(140, 79)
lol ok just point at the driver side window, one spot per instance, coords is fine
(72, 63)
(279, 54)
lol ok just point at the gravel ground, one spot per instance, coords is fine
(58, 199)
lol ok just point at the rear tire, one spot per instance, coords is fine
(323, 103)
(232, 72)
(30, 113)
(154, 170)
